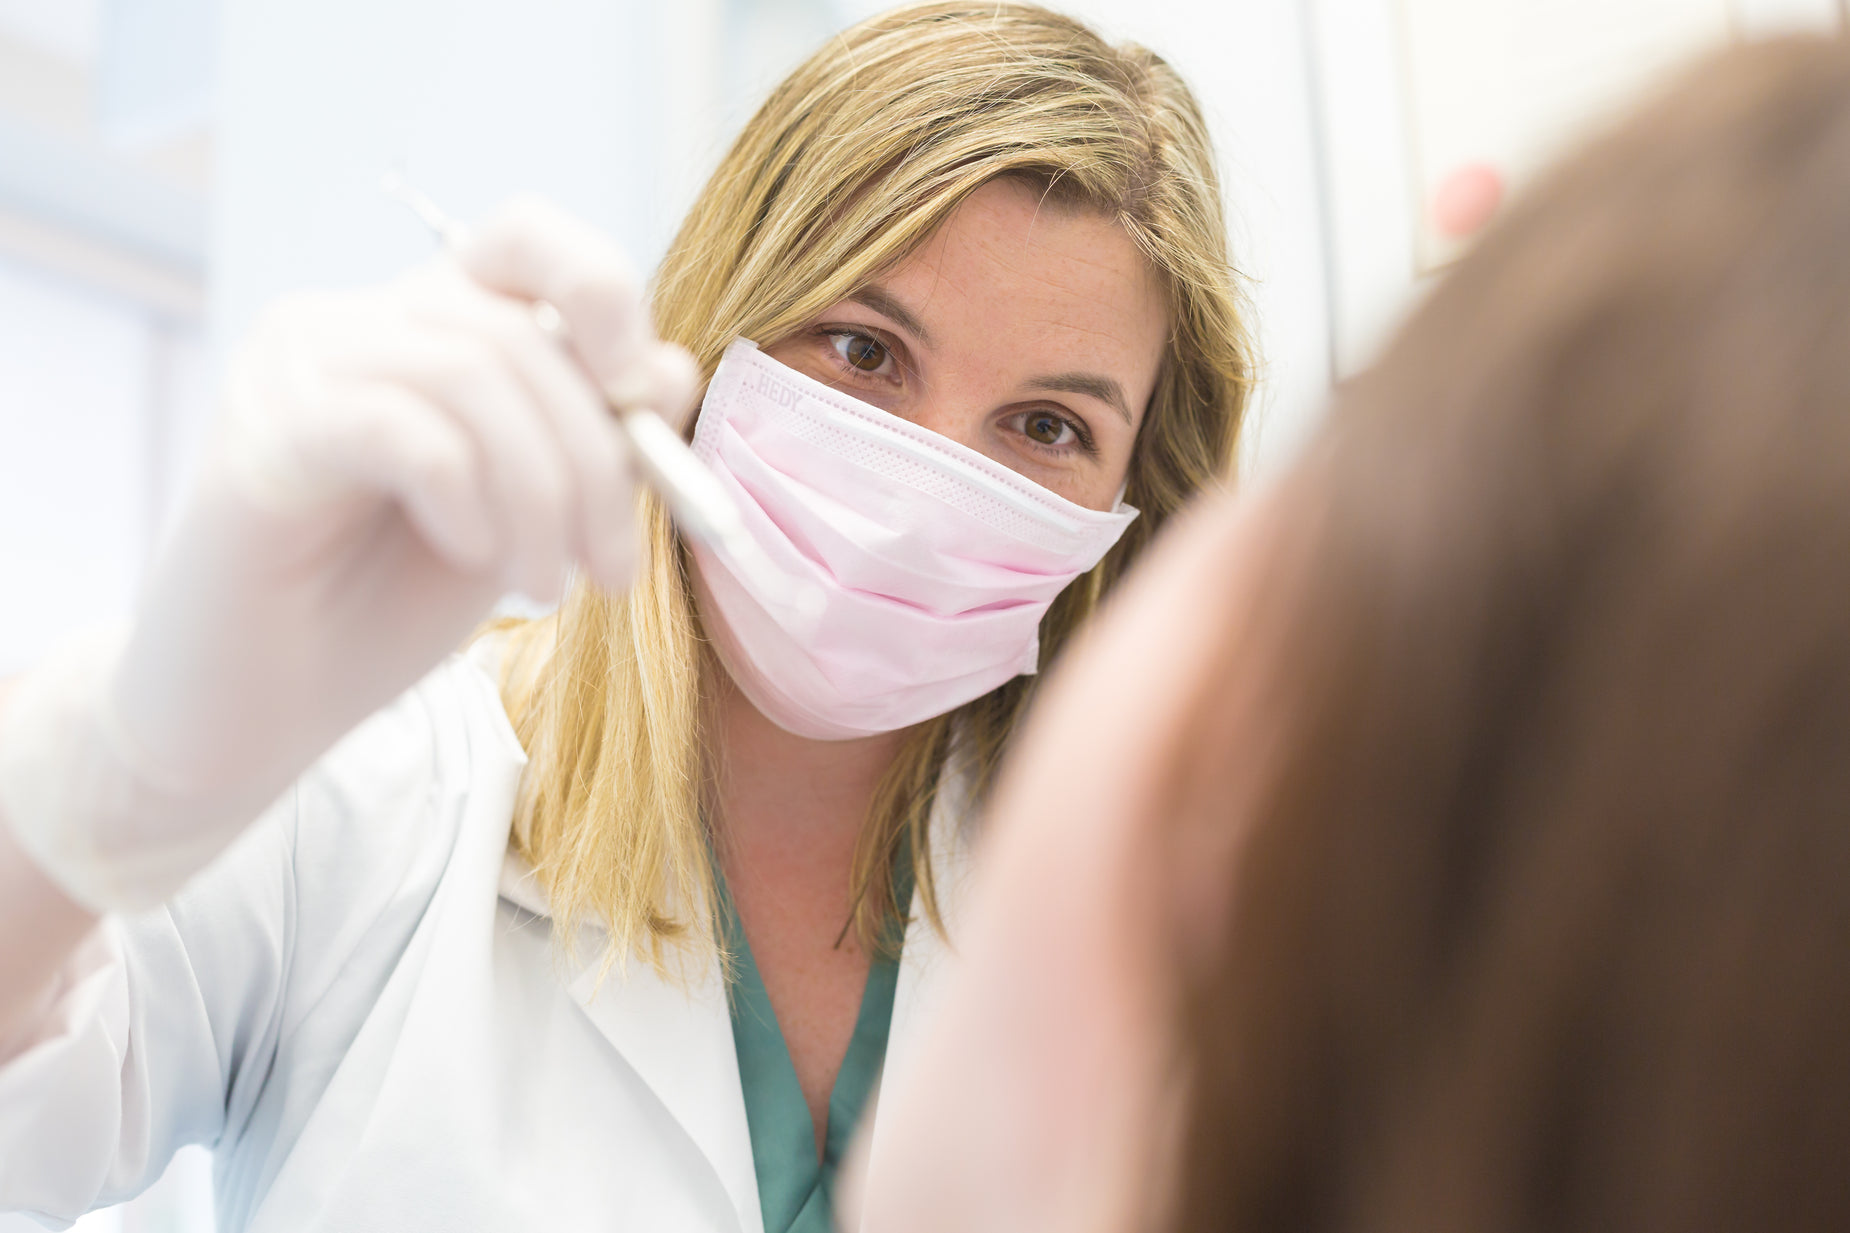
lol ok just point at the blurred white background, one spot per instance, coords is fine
(167, 166)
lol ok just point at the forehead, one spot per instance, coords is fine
(1012, 262)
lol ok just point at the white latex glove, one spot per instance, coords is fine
(388, 463)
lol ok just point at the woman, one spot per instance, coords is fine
(1474, 829)
(983, 255)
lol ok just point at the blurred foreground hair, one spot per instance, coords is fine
(1545, 921)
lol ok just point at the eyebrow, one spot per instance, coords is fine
(881, 300)
(1091, 385)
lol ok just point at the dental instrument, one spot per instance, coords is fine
(694, 496)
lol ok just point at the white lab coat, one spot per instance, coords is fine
(360, 1005)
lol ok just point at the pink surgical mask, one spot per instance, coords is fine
(909, 573)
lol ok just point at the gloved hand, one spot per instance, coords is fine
(387, 463)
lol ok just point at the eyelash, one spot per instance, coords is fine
(1081, 434)
(832, 333)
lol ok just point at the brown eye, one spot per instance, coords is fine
(866, 354)
(1047, 429)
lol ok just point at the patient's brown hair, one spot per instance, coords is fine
(1544, 922)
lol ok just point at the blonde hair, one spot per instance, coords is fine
(846, 168)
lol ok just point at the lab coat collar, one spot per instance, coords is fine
(678, 1038)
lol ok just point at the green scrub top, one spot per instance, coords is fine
(795, 1189)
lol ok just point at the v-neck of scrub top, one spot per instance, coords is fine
(795, 1189)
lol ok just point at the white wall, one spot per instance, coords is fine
(476, 99)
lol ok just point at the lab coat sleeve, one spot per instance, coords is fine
(156, 1018)
(164, 1028)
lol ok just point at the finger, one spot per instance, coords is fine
(662, 379)
(532, 250)
(466, 376)
(675, 378)
(588, 438)
(390, 440)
